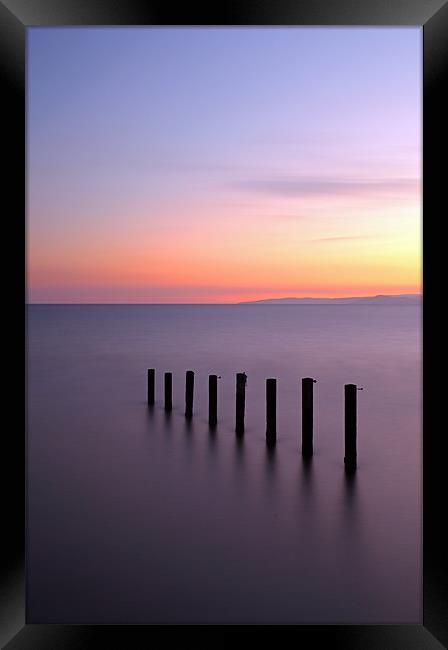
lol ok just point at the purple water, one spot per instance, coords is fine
(136, 517)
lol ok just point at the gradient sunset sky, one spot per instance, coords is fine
(178, 165)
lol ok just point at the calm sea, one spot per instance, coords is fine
(136, 517)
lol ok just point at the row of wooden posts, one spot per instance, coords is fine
(350, 404)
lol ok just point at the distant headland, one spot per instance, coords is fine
(400, 299)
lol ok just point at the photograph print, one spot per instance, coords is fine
(224, 303)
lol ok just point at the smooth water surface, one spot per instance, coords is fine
(139, 517)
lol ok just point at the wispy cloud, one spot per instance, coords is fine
(348, 238)
(326, 187)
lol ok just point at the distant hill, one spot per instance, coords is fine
(401, 299)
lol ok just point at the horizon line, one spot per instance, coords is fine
(376, 295)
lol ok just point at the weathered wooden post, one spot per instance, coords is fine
(212, 399)
(168, 391)
(350, 458)
(189, 388)
(151, 385)
(307, 416)
(241, 379)
(271, 412)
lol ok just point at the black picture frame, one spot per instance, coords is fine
(15, 17)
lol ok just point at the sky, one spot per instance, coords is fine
(213, 165)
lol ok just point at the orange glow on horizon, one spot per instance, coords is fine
(228, 263)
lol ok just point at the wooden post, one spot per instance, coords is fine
(307, 416)
(350, 426)
(271, 412)
(189, 387)
(168, 391)
(212, 399)
(241, 379)
(151, 385)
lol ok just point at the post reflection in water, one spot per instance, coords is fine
(350, 501)
(239, 453)
(212, 435)
(271, 461)
(306, 474)
(167, 421)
